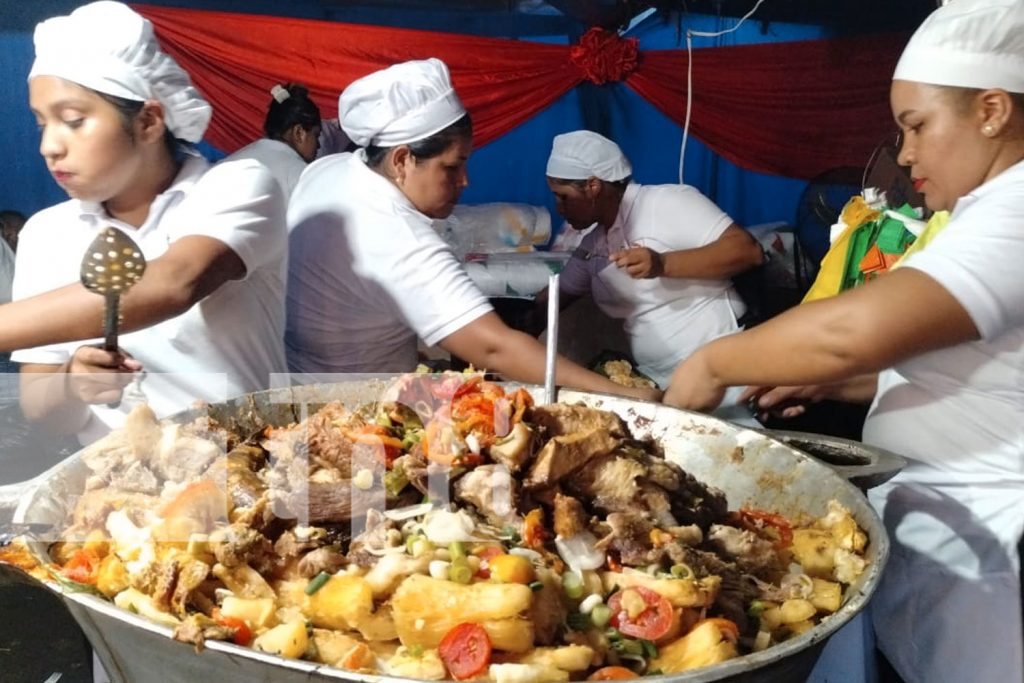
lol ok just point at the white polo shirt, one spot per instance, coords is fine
(283, 162)
(368, 274)
(666, 318)
(956, 512)
(227, 344)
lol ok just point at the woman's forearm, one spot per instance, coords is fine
(47, 403)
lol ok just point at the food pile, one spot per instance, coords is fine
(455, 532)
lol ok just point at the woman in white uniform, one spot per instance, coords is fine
(659, 259)
(368, 274)
(116, 118)
(292, 127)
(946, 332)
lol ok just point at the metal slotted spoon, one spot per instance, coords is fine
(112, 265)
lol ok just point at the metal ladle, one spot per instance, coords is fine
(112, 265)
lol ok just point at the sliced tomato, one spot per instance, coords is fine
(612, 673)
(465, 650)
(243, 634)
(82, 567)
(650, 623)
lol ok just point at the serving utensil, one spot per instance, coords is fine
(112, 265)
(551, 349)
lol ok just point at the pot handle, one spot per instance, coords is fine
(862, 465)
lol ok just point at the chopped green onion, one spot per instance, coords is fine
(415, 650)
(536, 586)
(649, 648)
(578, 621)
(510, 534)
(394, 481)
(383, 420)
(457, 550)
(460, 571)
(613, 634)
(756, 608)
(572, 584)
(682, 571)
(317, 583)
(653, 672)
(601, 615)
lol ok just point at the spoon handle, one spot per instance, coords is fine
(110, 321)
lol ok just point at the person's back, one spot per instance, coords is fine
(346, 251)
(292, 127)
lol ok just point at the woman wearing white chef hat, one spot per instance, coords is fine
(938, 345)
(117, 117)
(659, 259)
(367, 272)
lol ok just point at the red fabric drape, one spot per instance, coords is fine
(793, 109)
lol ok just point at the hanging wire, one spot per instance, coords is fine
(689, 76)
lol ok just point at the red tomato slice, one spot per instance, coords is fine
(82, 567)
(612, 673)
(485, 555)
(243, 634)
(465, 650)
(650, 624)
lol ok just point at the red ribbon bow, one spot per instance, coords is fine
(604, 56)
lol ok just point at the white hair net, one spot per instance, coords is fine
(968, 44)
(582, 154)
(400, 104)
(108, 47)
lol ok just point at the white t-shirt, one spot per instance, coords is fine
(227, 344)
(283, 162)
(368, 274)
(956, 512)
(666, 319)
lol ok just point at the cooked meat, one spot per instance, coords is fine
(629, 538)
(299, 540)
(132, 443)
(196, 628)
(166, 580)
(378, 535)
(559, 419)
(415, 465)
(333, 503)
(515, 449)
(325, 559)
(492, 491)
(697, 503)
(236, 545)
(182, 456)
(742, 545)
(328, 445)
(94, 506)
(566, 454)
(190, 578)
(547, 611)
(136, 477)
(570, 517)
(609, 482)
(238, 469)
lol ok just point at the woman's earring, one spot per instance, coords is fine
(988, 129)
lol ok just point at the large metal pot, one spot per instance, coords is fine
(750, 467)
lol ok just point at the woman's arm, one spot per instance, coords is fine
(488, 343)
(733, 252)
(57, 397)
(903, 314)
(192, 268)
(793, 400)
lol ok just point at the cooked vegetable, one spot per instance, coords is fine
(465, 650)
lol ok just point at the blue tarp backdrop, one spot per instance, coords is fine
(508, 169)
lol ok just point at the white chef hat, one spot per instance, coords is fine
(109, 48)
(968, 44)
(582, 154)
(400, 104)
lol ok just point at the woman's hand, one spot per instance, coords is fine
(98, 376)
(787, 402)
(694, 387)
(639, 262)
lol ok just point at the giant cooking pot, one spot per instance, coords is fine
(750, 467)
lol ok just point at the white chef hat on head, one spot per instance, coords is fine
(968, 44)
(582, 154)
(400, 104)
(108, 47)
